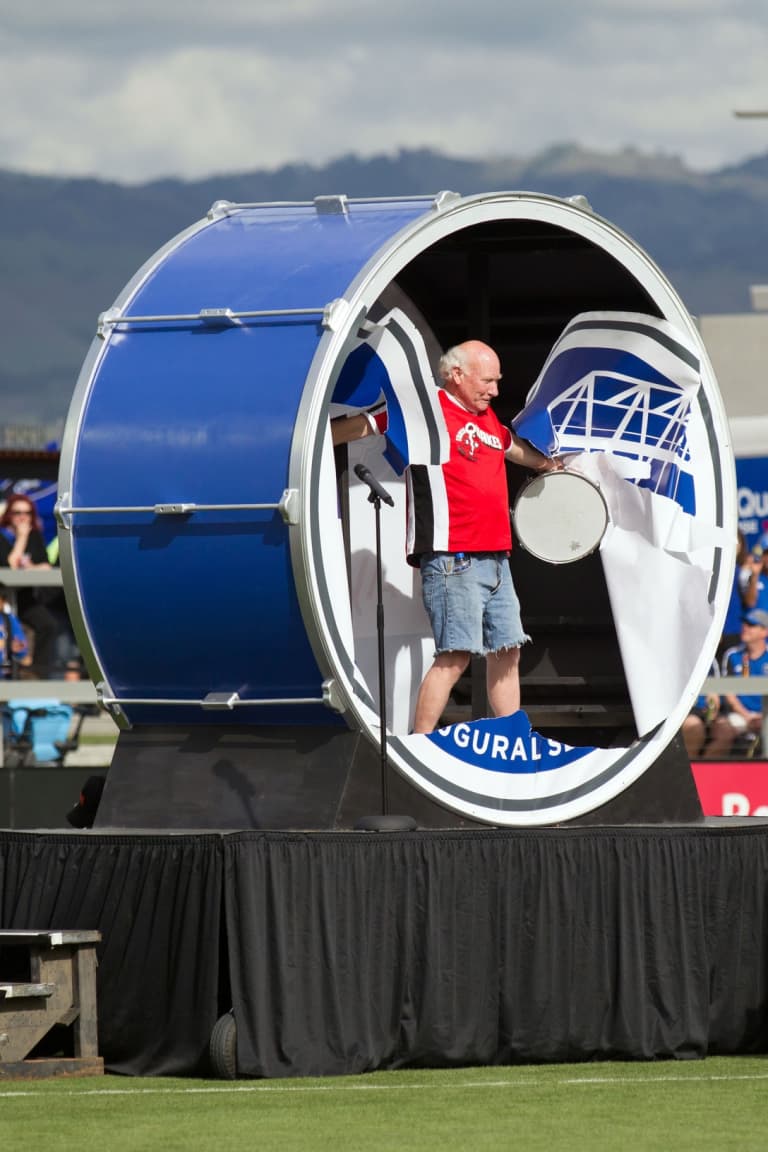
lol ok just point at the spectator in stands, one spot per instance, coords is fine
(754, 586)
(12, 637)
(698, 723)
(22, 546)
(740, 727)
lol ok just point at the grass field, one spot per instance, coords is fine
(716, 1104)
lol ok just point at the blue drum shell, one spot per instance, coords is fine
(183, 411)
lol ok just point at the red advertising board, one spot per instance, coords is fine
(732, 787)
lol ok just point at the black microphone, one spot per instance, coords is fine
(368, 478)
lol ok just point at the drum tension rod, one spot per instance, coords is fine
(213, 701)
(335, 204)
(217, 701)
(287, 506)
(331, 315)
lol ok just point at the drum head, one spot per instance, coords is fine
(560, 517)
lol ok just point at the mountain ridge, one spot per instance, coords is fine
(71, 244)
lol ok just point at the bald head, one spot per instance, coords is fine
(471, 372)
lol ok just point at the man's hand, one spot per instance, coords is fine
(755, 564)
(550, 464)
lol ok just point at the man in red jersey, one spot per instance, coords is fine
(459, 533)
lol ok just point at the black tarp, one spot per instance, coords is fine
(356, 951)
(157, 903)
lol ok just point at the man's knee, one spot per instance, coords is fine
(504, 659)
(453, 663)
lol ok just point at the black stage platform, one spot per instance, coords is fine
(344, 952)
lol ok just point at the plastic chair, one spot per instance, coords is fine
(40, 731)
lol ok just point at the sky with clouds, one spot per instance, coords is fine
(152, 88)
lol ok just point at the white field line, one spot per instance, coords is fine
(261, 1086)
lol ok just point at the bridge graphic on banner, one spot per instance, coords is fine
(621, 385)
(627, 417)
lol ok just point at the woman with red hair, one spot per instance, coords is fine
(22, 545)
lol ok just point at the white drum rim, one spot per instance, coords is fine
(383, 267)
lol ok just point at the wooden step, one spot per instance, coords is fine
(57, 987)
(49, 938)
(549, 715)
(43, 1069)
(25, 991)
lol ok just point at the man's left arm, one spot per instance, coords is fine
(522, 452)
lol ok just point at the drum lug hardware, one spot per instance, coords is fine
(220, 317)
(218, 209)
(107, 703)
(107, 321)
(60, 511)
(289, 506)
(174, 509)
(580, 201)
(444, 199)
(335, 313)
(219, 700)
(331, 205)
(332, 697)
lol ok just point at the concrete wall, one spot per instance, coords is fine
(737, 345)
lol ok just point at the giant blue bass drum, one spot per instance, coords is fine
(219, 557)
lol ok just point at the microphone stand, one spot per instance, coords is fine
(385, 822)
(376, 501)
(376, 495)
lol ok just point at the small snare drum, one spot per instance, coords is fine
(560, 517)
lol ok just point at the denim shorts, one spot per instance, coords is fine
(471, 603)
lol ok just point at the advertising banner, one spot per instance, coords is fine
(732, 787)
(752, 483)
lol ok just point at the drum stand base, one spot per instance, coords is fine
(313, 778)
(665, 794)
(319, 779)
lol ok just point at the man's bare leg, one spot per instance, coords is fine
(436, 688)
(502, 677)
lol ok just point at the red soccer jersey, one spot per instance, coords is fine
(462, 505)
